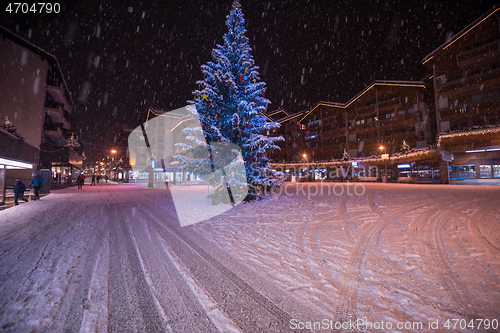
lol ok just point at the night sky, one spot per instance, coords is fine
(121, 57)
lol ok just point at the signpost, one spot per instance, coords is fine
(447, 156)
(444, 166)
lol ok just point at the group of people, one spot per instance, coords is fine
(37, 182)
(20, 188)
(81, 180)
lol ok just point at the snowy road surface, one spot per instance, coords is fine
(114, 258)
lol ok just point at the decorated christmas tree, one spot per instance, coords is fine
(405, 147)
(229, 104)
(9, 126)
(346, 156)
(72, 143)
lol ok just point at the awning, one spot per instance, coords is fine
(14, 164)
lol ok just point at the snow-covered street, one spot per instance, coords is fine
(114, 258)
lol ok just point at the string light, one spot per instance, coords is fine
(427, 153)
(469, 133)
(417, 84)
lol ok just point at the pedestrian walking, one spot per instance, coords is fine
(106, 178)
(19, 189)
(37, 183)
(83, 178)
(98, 178)
(93, 180)
(79, 182)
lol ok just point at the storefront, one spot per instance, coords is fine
(422, 172)
(476, 169)
(489, 170)
(319, 174)
(462, 171)
(476, 156)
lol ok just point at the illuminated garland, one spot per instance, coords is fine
(9, 126)
(420, 153)
(469, 133)
(71, 142)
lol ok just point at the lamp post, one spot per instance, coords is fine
(111, 164)
(382, 148)
(304, 156)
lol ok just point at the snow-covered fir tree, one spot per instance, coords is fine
(72, 143)
(346, 156)
(9, 126)
(405, 147)
(229, 105)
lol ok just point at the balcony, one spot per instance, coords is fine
(470, 83)
(479, 53)
(56, 133)
(54, 104)
(468, 109)
(58, 115)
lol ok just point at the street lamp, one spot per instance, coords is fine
(382, 148)
(113, 151)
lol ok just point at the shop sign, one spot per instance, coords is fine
(447, 156)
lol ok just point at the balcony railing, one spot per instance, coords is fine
(484, 51)
(460, 81)
(465, 109)
(53, 127)
(54, 105)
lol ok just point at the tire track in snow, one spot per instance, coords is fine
(434, 257)
(80, 301)
(374, 208)
(249, 309)
(353, 279)
(80, 289)
(350, 230)
(172, 292)
(129, 296)
(430, 247)
(481, 233)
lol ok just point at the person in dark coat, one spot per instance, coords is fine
(19, 189)
(93, 180)
(98, 178)
(79, 182)
(37, 183)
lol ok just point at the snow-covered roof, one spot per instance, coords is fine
(373, 84)
(291, 116)
(462, 33)
(275, 112)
